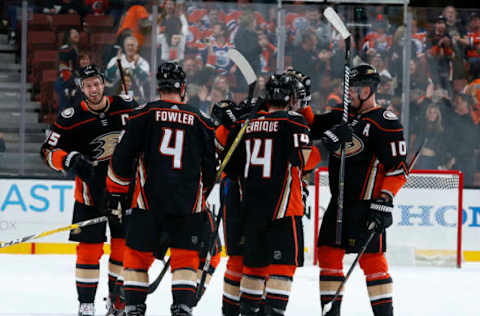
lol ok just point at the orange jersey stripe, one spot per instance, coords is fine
(313, 159)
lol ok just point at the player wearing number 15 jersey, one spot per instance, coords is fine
(81, 141)
(175, 147)
(270, 161)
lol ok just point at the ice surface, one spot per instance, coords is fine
(44, 285)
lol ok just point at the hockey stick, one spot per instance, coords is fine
(153, 286)
(251, 79)
(337, 23)
(122, 76)
(88, 222)
(329, 305)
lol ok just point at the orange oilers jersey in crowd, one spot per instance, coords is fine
(375, 159)
(92, 134)
(174, 144)
(270, 161)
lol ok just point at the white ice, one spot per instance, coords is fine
(44, 285)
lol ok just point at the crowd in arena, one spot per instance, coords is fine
(444, 67)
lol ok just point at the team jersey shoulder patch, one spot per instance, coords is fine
(140, 107)
(389, 115)
(126, 98)
(68, 112)
(293, 113)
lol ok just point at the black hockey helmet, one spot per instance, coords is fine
(364, 76)
(170, 76)
(88, 72)
(280, 89)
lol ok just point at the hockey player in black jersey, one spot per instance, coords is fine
(269, 163)
(81, 141)
(175, 147)
(375, 170)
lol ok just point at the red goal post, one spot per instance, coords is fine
(439, 189)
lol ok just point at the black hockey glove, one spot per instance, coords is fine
(380, 215)
(337, 135)
(224, 113)
(81, 166)
(115, 205)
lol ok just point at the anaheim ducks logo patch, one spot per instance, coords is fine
(352, 148)
(105, 145)
(389, 115)
(68, 112)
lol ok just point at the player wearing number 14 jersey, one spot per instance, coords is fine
(270, 161)
(175, 147)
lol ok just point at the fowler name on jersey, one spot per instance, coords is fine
(174, 117)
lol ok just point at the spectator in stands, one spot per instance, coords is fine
(64, 7)
(421, 85)
(3, 147)
(377, 40)
(378, 61)
(246, 41)
(471, 41)
(97, 7)
(384, 92)
(432, 134)
(440, 53)
(192, 70)
(68, 65)
(473, 90)
(172, 38)
(221, 82)
(454, 27)
(68, 52)
(139, 67)
(260, 88)
(69, 92)
(136, 19)
(460, 126)
(305, 55)
(10, 15)
(218, 47)
(268, 51)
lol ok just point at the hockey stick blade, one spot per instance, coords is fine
(327, 307)
(243, 65)
(336, 22)
(88, 222)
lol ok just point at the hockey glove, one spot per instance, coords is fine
(115, 204)
(224, 113)
(336, 136)
(80, 165)
(380, 215)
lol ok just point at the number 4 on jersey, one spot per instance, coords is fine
(176, 151)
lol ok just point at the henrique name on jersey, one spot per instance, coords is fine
(262, 126)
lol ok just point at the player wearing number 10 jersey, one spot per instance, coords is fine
(175, 147)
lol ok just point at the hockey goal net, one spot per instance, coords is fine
(428, 217)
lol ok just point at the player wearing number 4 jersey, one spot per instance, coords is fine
(81, 141)
(175, 147)
(270, 162)
(375, 170)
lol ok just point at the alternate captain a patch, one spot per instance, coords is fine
(389, 115)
